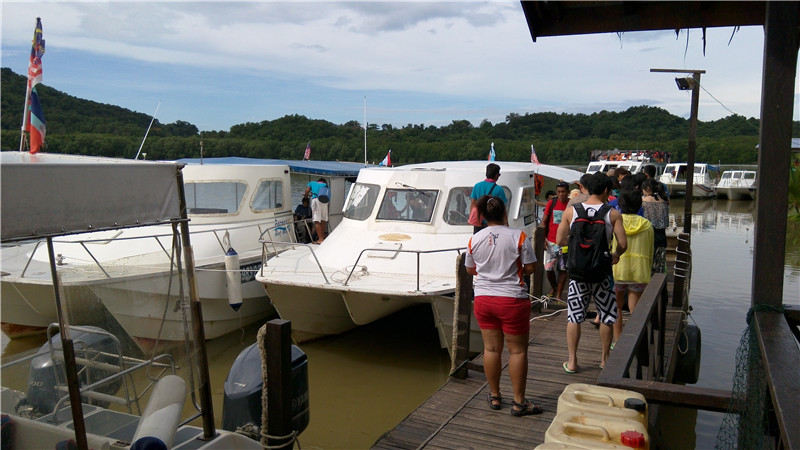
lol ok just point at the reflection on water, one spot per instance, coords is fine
(362, 383)
(722, 252)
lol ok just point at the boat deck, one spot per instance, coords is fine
(457, 415)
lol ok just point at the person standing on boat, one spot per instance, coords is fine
(554, 259)
(655, 203)
(581, 292)
(320, 195)
(488, 187)
(500, 257)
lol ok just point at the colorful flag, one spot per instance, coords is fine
(37, 50)
(387, 161)
(36, 123)
(307, 154)
(534, 159)
(491, 153)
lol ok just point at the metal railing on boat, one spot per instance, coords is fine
(274, 244)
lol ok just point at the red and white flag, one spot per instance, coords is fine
(307, 154)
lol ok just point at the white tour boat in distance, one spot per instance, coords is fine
(397, 245)
(674, 177)
(737, 185)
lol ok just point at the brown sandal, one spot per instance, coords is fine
(526, 408)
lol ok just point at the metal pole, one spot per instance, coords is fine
(365, 130)
(197, 321)
(70, 367)
(687, 212)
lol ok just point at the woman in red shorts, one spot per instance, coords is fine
(500, 257)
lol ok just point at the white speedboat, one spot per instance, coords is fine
(125, 277)
(81, 371)
(737, 185)
(674, 177)
(395, 247)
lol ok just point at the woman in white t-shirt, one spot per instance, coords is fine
(500, 257)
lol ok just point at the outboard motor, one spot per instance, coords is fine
(244, 385)
(45, 374)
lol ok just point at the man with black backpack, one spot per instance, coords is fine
(587, 229)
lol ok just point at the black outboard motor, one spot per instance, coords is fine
(242, 402)
(45, 373)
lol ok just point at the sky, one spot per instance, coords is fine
(217, 64)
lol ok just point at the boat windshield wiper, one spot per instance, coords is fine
(412, 188)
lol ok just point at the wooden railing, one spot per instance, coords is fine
(778, 338)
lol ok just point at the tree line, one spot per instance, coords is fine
(79, 126)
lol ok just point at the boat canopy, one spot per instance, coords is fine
(55, 194)
(326, 168)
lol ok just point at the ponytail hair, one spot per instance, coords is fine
(492, 208)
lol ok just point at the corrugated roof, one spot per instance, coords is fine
(329, 168)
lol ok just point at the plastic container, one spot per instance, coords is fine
(594, 431)
(555, 446)
(604, 401)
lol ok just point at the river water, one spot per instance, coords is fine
(365, 382)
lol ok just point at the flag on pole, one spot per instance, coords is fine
(491, 153)
(36, 123)
(534, 159)
(307, 154)
(387, 161)
(37, 50)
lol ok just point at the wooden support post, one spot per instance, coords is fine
(537, 286)
(279, 381)
(462, 320)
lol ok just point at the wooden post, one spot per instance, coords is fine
(462, 320)
(279, 381)
(774, 150)
(538, 274)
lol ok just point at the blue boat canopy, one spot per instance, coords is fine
(329, 168)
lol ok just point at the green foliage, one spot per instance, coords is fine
(84, 127)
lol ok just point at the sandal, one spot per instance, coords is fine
(526, 408)
(491, 399)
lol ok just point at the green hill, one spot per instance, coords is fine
(81, 126)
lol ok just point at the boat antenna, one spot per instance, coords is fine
(148, 130)
(365, 130)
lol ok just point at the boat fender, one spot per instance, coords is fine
(687, 369)
(161, 416)
(234, 279)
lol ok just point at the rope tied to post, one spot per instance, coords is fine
(292, 437)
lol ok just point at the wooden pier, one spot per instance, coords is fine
(458, 416)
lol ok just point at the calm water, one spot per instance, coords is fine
(364, 382)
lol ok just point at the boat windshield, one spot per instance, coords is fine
(215, 197)
(457, 210)
(415, 205)
(726, 175)
(361, 201)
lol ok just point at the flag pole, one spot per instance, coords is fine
(365, 130)
(24, 115)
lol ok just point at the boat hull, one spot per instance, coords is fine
(736, 193)
(317, 312)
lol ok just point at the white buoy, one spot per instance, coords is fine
(234, 279)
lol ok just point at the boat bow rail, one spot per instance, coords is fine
(268, 243)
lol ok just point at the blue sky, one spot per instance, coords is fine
(219, 64)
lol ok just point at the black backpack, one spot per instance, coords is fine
(588, 257)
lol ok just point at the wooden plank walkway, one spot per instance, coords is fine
(457, 415)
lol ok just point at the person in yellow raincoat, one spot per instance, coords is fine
(632, 272)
